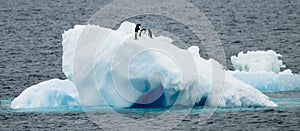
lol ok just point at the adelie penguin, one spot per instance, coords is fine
(137, 28)
(149, 33)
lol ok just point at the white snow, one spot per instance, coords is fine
(258, 61)
(151, 72)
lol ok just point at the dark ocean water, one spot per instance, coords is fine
(31, 50)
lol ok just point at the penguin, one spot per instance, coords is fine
(149, 33)
(137, 28)
(141, 32)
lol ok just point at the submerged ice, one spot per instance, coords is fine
(137, 73)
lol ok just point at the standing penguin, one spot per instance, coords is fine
(141, 31)
(149, 33)
(137, 28)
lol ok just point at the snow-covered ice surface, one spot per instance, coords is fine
(261, 69)
(153, 74)
(257, 61)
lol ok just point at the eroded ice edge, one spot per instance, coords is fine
(152, 72)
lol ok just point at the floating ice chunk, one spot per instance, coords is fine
(261, 69)
(258, 61)
(51, 93)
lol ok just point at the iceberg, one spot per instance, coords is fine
(106, 67)
(261, 69)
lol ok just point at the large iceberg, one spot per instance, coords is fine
(261, 69)
(123, 72)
